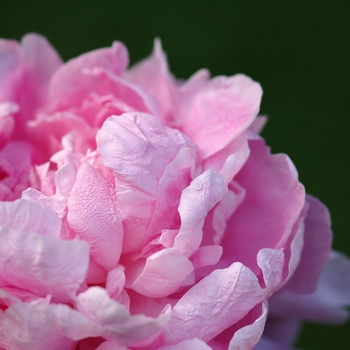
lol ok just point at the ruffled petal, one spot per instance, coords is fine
(42, 264)
(138, 148)
(26, 215)
(215, 303)
(115, 323)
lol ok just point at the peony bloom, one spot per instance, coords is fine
(143, 212)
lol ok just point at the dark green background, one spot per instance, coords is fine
(298, 50)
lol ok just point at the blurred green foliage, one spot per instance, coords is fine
(298, 50)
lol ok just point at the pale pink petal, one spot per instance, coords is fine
(204, 192)
(272, 205)
(115, 322)
(115, 281)
(26, 215)
(317, 245)
(93, 216)
(152, 74)
(138, 148)
(42, 264)
(110, 345)
(258, 124)
(67, 85)
(162, 274)
(246, 337)
(215, 303)
(221, 111)
(190, 344)
(28, 326)
(230, 160)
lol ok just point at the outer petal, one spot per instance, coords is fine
(115, 322)
(25, 72)
(221, 111)
(92, 215)
(327, 303)
(272, 205)
(67, 85)
(41, 264)
(317, 245)
(153, 75)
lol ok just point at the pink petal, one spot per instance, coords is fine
(115, 323)
(191, 344)
(206, 256)
(153, 75)
(162, 274)
(204, 192)
(138, 148)
(246, 337)
(215, 303)
(317, 245)
(25, 72)
(7, 121)
(272, 205)
(221, 111)
(27, 326)
(42, 264)
(26, 215)
(67, 84)
(92, 215)
(46, 132)
(16, 163)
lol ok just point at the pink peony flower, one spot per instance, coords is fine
(143, 212)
